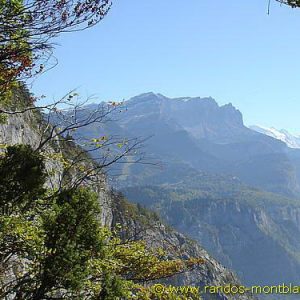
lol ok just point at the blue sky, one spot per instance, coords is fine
(230, 50)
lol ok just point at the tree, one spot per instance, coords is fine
(58, 249)
(24, 184)
(28, 28)
(292, 3)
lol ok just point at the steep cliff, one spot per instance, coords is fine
(144, 225)
(251, 231)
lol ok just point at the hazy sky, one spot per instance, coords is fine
(228, 49)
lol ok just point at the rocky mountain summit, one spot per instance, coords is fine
(212, 138)
(200, 117)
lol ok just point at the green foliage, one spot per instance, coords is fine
(73, 238)
(134, 212)
(16, 54)
(56, 247)
(292, 3)
(199, 188)
(22, 178)
(19, 236)
(29, 26)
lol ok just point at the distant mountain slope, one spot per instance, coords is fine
(202, 118)
(211, 138)
(253, 232)
(292, 141)
(207, 137)
(143, 224)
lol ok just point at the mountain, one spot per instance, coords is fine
(139, 222)
(200, 134)
(221, 183)
(234, 190)
(292, 141)
(199, 117)
(245, 228)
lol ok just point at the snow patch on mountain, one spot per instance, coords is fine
(292, 141)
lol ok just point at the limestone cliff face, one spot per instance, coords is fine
(158, 235)
(19, 130)
(260, 242)
(24, 128)
(200, 117)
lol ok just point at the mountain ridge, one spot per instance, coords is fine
(208, 137)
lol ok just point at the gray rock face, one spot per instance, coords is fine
(200, 117)
(19, 130)
(24, 129)
(262, 244)
(176, 245)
